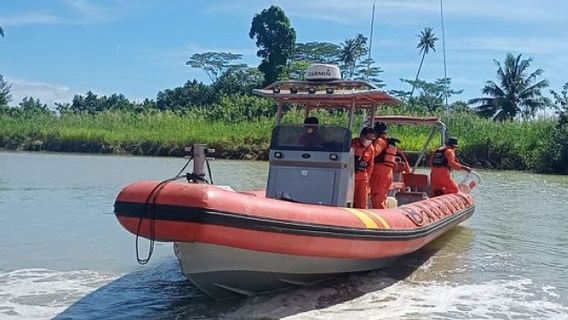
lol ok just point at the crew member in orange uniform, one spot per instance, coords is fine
(442, 162)
(364, 154)
(384, 162)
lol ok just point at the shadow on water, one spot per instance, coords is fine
(162, 292)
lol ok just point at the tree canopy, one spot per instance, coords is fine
(427, 42)
(5, 95)
(561, 98)
(352, 50)
(517, 92)
(215, 63)
(275, 39)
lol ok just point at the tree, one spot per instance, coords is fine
(317, 52)
(297, 69)
(306, 54)
(1, 32)
(275, 38)
(29, 105)
(432, 94)
(367, 71)
(240, 81)
(192, 94)
(5, 95)
(91, 103)
(427, 41)
(215, 63)
(351, 52)
(517, 93)
(561, 99)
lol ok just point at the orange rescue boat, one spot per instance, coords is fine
(303, 227)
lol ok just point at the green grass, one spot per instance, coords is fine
(507, 145)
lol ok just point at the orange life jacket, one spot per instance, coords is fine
(387, 156)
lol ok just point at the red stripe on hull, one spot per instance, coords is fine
(286, 243)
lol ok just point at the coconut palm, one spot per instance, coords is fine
(517, 93)
(427, 41)
(351, 51)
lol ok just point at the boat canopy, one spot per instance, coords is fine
(326, 94)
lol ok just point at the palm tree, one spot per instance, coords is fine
(516, 93)
(1, 32)
(351, 51)
(427, 41)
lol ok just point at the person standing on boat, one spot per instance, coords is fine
(442, 162)
(364, 154)
(384, 163)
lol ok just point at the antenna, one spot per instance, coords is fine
(444, 51)
(371, 40)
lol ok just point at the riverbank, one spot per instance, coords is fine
(483, 143)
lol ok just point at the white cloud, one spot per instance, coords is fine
(29, 18)
(397, 12)
(73, 12)
(527, 45)
(46, 93)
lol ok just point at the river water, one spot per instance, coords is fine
(63, 255)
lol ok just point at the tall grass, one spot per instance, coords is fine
(508, 145)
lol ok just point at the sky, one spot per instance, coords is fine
(54, 49)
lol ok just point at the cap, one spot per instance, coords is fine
(452, 142)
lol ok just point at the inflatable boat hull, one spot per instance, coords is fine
(231, 243)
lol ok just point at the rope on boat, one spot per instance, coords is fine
(149, 213)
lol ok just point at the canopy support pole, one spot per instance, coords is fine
(279, 113)
(352, 114)
(424, 148)
(371, 121)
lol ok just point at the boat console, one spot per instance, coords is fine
(311, 164)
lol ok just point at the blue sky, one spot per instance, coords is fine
(54, 49)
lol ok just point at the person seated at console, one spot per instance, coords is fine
(311, 136)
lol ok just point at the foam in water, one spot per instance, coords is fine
(499, 299)
(42, 293)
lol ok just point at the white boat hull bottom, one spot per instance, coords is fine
(224, 272)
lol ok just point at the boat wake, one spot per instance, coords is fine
(413, 288)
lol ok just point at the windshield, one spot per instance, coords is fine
(311, 138)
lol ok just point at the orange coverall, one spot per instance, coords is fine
(441, 177)
(381, 178)
(360, 197)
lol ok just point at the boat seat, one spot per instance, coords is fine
(416, 182)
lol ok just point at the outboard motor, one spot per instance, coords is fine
(311, 164)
